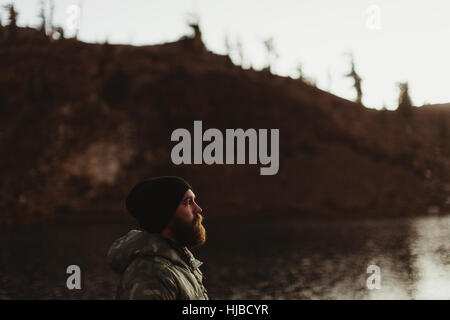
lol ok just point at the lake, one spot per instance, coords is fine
(249, 259)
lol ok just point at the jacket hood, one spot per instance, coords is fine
(140, 243)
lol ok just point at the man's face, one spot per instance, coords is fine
(186, 225)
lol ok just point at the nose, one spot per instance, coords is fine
(199, 210)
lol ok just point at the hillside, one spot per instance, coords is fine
(82, 123)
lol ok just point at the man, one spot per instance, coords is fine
(154, 262)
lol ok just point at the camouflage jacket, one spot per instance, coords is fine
(154, 267)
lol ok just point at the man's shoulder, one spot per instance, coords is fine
(148, 277)
(157, 277)
(147, 265)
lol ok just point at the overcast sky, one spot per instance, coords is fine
(391, 40)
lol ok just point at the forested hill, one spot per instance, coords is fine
(82, 123)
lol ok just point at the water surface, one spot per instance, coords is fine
(258, 259)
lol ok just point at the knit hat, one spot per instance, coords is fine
(154, 201)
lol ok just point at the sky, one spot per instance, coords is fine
(391, 41)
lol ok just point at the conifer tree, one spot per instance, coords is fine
(404, 101)
(12, 22)
(357, 81)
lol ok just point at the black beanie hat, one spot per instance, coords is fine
(154, 201)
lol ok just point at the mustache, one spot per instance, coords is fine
(198, 218)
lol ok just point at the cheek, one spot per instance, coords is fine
(185, 213)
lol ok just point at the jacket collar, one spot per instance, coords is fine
(158, 245)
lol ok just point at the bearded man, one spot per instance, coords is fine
(154, 262)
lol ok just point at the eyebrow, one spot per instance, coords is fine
(189, 197)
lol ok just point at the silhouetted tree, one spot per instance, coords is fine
(300, 72)
(42, 26)
(1, 30)
(105, 57)
(404, 101)
(196, 39)
(50, 19)
(12, 22)
(228, 47)
(271, 52)
(240, 51)
(357, 80)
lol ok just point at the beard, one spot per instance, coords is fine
(189, 234)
